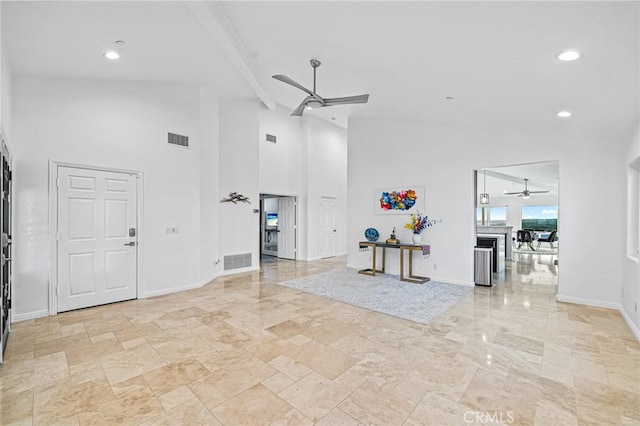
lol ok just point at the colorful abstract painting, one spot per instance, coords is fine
(399, 200)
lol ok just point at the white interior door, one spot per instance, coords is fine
(287, 227)
(328, 233)
(97, 257)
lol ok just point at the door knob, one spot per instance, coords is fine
(131, 244)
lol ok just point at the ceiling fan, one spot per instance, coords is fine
(526, 193)
(314, 100)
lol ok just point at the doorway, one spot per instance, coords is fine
(7, 254)
(518, 206)
(95, 227)
(278, 226)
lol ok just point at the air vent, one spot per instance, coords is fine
(175, 139)
(271, 138)
(236, 261)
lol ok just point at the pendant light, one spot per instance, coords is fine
(484, 197)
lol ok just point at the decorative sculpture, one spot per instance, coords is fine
(234, 198)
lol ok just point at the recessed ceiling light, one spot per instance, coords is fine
(333, 118)
(569, 55)
(564, 114)
(120, 42)
(111, 55)
(449, 98)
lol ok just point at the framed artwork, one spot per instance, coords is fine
(406, 199)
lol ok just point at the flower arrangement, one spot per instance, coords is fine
(419, 223)
(398, 200)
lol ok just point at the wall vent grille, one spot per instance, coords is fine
(236, 261)
(175, 139)
(271, 138)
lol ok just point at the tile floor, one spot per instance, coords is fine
(243, 351)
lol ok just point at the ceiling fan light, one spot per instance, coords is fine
(526, 197)
(484, 199)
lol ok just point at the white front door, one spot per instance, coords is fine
(287, 227)
(97, 257)
(327, 227)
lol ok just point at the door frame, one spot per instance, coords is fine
(53, 221)
(278, 194)
(335, 217)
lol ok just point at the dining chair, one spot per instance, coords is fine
(551, 238)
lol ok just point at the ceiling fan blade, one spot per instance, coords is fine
(538, 192)
(285, 79)
(298, 111)
(360, 99)
(513, 193)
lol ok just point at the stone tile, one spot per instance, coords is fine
(172, 376)
(231, 380)
(256, 405)
(16, 407)
(314, 395)
(323, 359)
(192, 412)
(182, 349)
(370, 405)
(290, 367)
(337, 417)
(176, 397)
(277, 382)
(130, 363)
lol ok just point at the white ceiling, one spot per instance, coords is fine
(496, 59)
(542, 176)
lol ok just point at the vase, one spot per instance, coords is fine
(417, 239)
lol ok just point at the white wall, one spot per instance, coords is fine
(5, 85)
(386, 153)
(109, 124)
(630, 299)
(239, 172)
(209, 180)
(281, 164)
(327, 177)
(309, 160)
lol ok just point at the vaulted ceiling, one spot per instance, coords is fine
(496, 60)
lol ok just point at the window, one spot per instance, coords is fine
(540, 218)
(496, 216)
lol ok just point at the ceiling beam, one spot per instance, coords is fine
(217, 25)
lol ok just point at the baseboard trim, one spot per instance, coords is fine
(588, 302)
(29, 315)
(238, 271)
(632, 326)
(311, 259)
(170, 290)
(455, 282)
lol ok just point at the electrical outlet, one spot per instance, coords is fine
(435, 266)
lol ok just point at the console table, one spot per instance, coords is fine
(409, 248)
